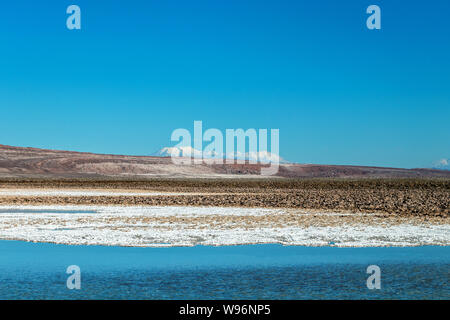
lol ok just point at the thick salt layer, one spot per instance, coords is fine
(156, 226)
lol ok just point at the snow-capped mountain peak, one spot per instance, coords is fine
(442, 164)
(261, 156)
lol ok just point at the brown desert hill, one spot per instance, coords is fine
(36, 163)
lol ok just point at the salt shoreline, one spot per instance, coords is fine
(214, 226)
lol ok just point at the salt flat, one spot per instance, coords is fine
(148, 226)
(80, 193)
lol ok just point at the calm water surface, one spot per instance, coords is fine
(37, 271)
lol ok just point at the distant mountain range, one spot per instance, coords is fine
(443, 164)
(41, 163)
(262, 156)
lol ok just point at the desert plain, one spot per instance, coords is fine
(189, 211)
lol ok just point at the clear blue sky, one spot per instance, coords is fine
(338, 92)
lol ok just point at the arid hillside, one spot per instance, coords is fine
(37, 163)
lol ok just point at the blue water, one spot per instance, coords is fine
(37, 271)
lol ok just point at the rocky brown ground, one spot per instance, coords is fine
(424, 198)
